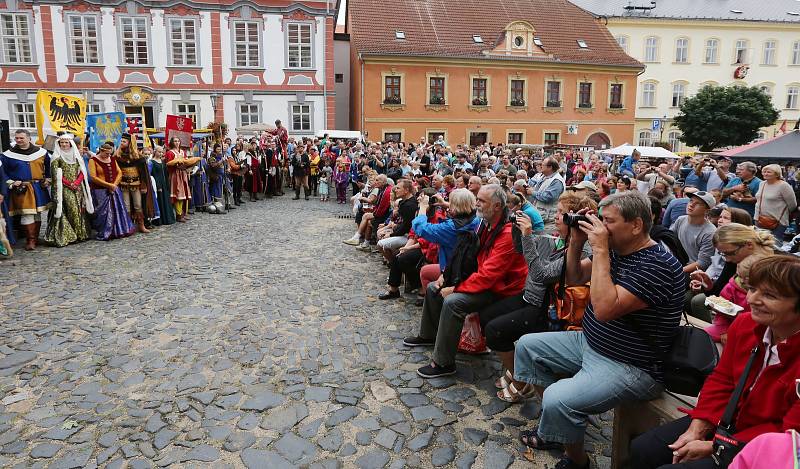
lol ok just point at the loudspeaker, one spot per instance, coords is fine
(5, 135)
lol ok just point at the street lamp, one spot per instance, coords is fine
(214, 97)
(663, 123)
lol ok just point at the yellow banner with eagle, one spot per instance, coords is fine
(56, 112)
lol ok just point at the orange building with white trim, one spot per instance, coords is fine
(529, 71)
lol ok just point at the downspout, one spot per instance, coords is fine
(361, 61)
(324, 63)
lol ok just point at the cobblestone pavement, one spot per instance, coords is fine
(251, 340)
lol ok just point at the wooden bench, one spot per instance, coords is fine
(634, 418)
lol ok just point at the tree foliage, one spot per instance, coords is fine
(718, 117)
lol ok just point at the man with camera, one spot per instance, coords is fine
(636, 285)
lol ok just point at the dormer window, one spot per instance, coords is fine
(477, 39)
(399, 35)
(537, 41)
(582, 44)
(519, 38)
(519, 42)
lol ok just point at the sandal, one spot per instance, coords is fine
(530, 438)
(513, 395)
(503, 381)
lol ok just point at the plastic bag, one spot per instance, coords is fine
(472, 339)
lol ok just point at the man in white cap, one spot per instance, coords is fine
(695, 232)
(584, 189)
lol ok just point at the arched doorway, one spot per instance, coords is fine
(599, 141)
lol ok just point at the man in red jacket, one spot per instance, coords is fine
(501, 273)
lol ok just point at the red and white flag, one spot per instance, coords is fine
(181, 127)
(783, 127)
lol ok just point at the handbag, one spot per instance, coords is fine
(768, 222)
(691, 358)
(725, 445)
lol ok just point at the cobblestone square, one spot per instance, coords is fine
(253, 339)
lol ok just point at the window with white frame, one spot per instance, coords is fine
(760, 136)
(246, 46)
(651, 49)
(678, 94)
(300, 45)
(766, 88)
(792, 96)
(22, 115)
(796, 53)
(82, 31)
(301, 117)
(94, 108)
(768, 57)
(649, 94)
(183, 41)
(15, 31)
(188, 110)
(645, 138)
(682, 50)
(134, 40)
(623, 42)
(249, 113)
(674, 142)
(740, 55)
(711, 55)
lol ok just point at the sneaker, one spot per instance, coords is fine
(363, 246)
(435, 371)
(354, 241)
(417, 342)
(388, 295)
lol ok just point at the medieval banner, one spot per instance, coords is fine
(107, 127)
(181, 127)
(56, 112)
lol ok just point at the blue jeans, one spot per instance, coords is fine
(589, 382)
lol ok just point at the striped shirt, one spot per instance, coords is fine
(656, 277)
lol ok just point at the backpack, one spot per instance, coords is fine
(566, 312)
(464, 261)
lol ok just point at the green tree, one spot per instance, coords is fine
(718, 117)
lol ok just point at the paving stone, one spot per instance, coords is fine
(475, 436)
(381, 391)
(154, 423)
(374, 459)
(204, 453)
(495, 457)
(317, 394)
(309, 429)
(386, 438)
(263, 400)
(16, 359)
(458, 394)
(342, 415)
(363, 438)
(238, 441)
(443, 456)
(466, 460)
(347, 450)
(261, 459)
(415, 400)
(295, 449)
(282, 420)
(45, 450)
(428, 412)
(332, 441)
(494, 407)
(390, 415)
(60, 433)
(163, 438)
(72, 459)
(421, 441)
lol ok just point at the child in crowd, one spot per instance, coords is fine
(324, 181)
(734, 291)
(341, 175)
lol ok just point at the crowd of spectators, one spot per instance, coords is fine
(505, 234)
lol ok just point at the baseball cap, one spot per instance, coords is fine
(706, 197)
(583, 185)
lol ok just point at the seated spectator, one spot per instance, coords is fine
(381, 211)
(735, 243)
(769, 403)
(407, 210)
(734, 291)
(634, 280)
(517, 201)
(585, 189)
(624, 184)
(727, 215)
(772, 450)
(501, 273)
(695, 232)
(504, 322)
(664, 236)
(677, 207)
(474, 185)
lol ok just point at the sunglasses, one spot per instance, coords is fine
(730, 253)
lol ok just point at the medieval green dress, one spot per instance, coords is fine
(72, 225)
(158, 170)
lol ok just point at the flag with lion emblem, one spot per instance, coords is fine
(106, 127)
(56, 112)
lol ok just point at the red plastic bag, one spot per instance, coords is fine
(472, 339)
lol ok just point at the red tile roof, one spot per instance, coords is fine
(445, 28)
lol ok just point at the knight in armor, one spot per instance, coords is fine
(26, 170)
(135, 181)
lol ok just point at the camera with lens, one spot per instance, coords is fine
(513, 219)
(430, 191)
(572, 219)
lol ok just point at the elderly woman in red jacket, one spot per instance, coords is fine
(769, 402)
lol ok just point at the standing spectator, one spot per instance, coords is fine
(695, 232)
(677, 207)
(698, 175)
(741, 191)
(627, 166)
(634, 281)
(545, 193)
(721, 174)
(774, 202)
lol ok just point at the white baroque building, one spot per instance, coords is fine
(237, 61)
(687, 44)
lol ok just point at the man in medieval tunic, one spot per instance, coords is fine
(27, 178)
(135, 183)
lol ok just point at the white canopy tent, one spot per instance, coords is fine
(342, 134)
(647, 152)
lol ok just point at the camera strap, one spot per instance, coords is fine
(727, 422)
